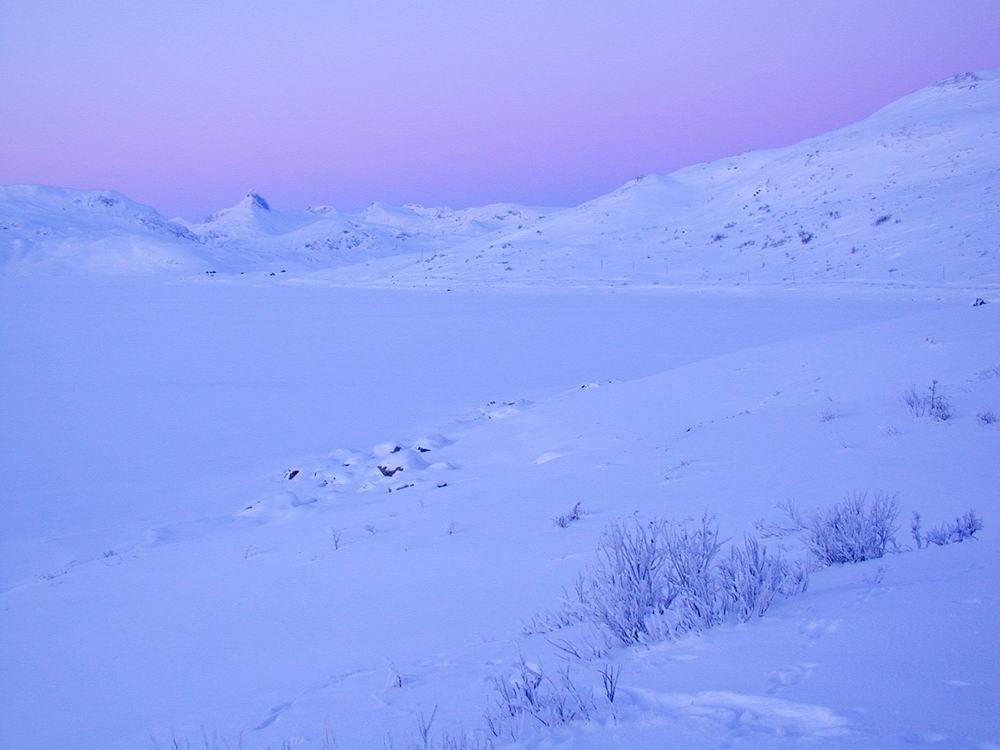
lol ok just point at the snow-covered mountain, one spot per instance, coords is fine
(458, 224)
(909, 195)
(49, 228)
(46, 228)
(254, 235)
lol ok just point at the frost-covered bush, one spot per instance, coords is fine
(527, 692)
(964, 527)
(565, 519)
(915, 530)
(853, 530)
(652, 580)
(658, 580)
(464, 742)
(630, 584)
(986, 417)
(691, 554)
(930, 404)
(750, 579)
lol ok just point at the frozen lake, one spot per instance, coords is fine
(138, 400)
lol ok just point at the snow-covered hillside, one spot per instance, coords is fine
(252, 235)
(57, 229)
(404, 563)
(48, 228)
(908, 196)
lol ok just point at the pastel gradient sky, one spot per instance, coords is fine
(188, 105)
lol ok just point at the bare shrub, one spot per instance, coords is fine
(652, 580)
(914, 402)
(527, 692)
(930, 404)
(564, 520)
(986, 417)
(205, 742)
(916, 530)
(853, 530)
(465, 742)
(541, 623)
(424, 724)
(964, 527)
(792, 525)
(750, 579)
(609, 679)
(630, 583)
(691, 555)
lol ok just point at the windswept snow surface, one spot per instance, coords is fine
(198, 531)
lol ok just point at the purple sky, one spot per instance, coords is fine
(187, 105)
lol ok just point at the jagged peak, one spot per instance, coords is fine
(256, 200)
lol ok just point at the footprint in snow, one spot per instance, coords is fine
(789, 676)
(813, 630)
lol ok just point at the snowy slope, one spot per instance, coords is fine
(908, 196)
(455, 224)
(48, 228)
(254, 236)
(250, 219)
(330, 596)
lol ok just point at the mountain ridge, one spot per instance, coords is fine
(905, 196)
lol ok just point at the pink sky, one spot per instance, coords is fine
(188, 105)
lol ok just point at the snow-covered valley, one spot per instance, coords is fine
(317, 480)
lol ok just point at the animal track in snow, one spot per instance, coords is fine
(742, 713)
(813, 630)
(789, 676)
